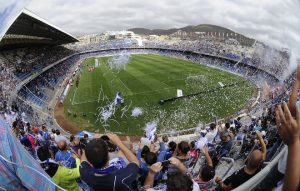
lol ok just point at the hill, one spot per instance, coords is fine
(190, 32)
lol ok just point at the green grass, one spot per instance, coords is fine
(148, 79)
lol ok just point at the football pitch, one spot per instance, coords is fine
(146, 80)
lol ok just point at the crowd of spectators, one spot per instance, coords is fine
(104, 162)
(257, 55)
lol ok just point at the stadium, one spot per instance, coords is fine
(199, 106)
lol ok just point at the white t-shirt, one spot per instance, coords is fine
(211, 135)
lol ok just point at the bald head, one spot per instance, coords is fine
(254, 159)
(62, 145)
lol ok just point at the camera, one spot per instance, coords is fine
(165, 163)
(111, 147)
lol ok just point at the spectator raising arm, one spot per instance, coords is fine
(208, 159)
(289, 130)
(262, 144)
(128, 154)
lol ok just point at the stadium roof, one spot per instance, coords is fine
(27, 29)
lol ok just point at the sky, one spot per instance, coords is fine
(275, 22)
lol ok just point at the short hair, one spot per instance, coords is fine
(165, 138)
(72, 137)
(96, 152)
(145, 150)
(172, 146)
(207, 173)
(57, 132)
(150, 158)
(192, 144)
(212, 126)
(85, 136)
(43, 153)
(184, 147)
(179, 181)
(62, 145)
(227, 125)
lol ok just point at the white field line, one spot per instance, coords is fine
(74, 96)
(124, 85)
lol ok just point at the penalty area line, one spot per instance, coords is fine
(74, 96)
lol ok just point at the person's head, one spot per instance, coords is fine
(62, 145)
(224, 135)
(53, 131)
(227, 125)
(212, 126)
(192, 145)
(86, 136)
(145, 150)
(43, 153)
(183, 148)
(165, 138)
(179, 181)
(72, 137)
(254, 160)
(96, 152)
(35, 130)
(207, 173)
(57, 132)
(150, 158)
(44, 128)
(76, 141)
(172, 146)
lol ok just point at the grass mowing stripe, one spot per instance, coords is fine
(151, 78)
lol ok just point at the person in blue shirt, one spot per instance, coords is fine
(63, 156)
(149, 158)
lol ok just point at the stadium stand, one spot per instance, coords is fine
(239, 153)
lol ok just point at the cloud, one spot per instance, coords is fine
(275, 22)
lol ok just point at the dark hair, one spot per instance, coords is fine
(165, 138)
(150, 158)
(192, 144)
(53, 130)
(85, 136)
(111, 147)
(145, 150)
(57, 132)
(43, 153)
(207, 173)
(179, 181)
(96, 152)
(227, 125)
(184, 147)
(172, 146)
(72, 137)
(212, 126)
